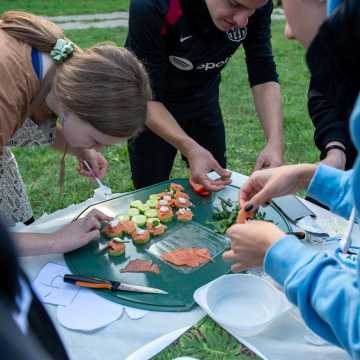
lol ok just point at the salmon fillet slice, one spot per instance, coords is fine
(192, 257)
(138, 265)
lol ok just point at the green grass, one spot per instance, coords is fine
(244, 134)
(64, 7)
(207, 341)
(244, 141)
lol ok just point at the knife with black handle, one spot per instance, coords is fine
(97, 283)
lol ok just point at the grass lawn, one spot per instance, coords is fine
(245, 139)
(62, 7)
(40, 166)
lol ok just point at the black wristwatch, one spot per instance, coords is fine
(325, 151)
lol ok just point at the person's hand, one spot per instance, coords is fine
(263, 185)
(249, 243)
(78, 233)
(201, 162)
(335, 158)
(96, 160)
(271, 156)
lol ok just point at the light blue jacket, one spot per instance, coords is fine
(327, 294)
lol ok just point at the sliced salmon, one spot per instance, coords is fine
(139, 265)
(191, 257)
(128, 226)
(176, 187)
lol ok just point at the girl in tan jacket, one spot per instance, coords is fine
(100, 96)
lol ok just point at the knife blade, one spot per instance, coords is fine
(98, 283)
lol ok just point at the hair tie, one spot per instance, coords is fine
(62, 50)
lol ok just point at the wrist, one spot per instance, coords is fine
(276, 143)
(306, 173)
(333, 145)
(188, 147)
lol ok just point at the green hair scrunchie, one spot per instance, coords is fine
(62, 50)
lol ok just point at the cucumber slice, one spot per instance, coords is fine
(133, 212)
(151, 213)
(143, 208)
(152, 203)
(123, 217)
(154, 221)
(139, 220)
(136, 204)
(154, 197)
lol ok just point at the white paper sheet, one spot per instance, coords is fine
(89, 312)
(80, 309)
(51, 288)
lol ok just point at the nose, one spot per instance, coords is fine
(241, 17)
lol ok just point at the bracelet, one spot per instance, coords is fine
(325, 151)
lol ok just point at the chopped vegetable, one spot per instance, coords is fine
(133, 212)
(198, 188)
(136, 204)
(116, 248)
(139, 220)
(228, 214)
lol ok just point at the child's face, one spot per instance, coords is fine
(80, 134)
(227, 14)
(304, 18)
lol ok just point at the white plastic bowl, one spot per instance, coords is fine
(245, 303)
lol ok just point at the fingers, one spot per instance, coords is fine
(83, 171)
(260, 164)
(263, 198)
(223, 173)
(229, 255)
(100, 215)
(91, 223)
(91, 235)
(95, 166)
(238, 267)
(211, 185)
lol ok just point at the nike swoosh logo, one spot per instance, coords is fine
(182, 39)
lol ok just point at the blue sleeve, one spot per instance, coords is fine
(258, 50)
(332, 187)
(326, 294)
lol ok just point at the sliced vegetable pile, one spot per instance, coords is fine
(145, 220)
(228, 214)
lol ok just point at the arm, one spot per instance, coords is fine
(267, 99)
(331, 126)
(333, 188)
(264, 83)
(200, 160)
(334, 77)
(327, 295)
(70, 237)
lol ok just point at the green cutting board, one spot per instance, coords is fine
(179, 282)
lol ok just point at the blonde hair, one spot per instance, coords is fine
(104, 85)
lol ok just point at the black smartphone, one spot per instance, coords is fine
(292, 207)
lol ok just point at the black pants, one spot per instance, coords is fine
(152, 158)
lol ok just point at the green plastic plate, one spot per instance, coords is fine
(179, 282)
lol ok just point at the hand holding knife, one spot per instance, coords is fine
(97, 283)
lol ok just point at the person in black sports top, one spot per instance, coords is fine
(184, 45)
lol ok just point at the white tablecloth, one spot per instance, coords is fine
(125, 336)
